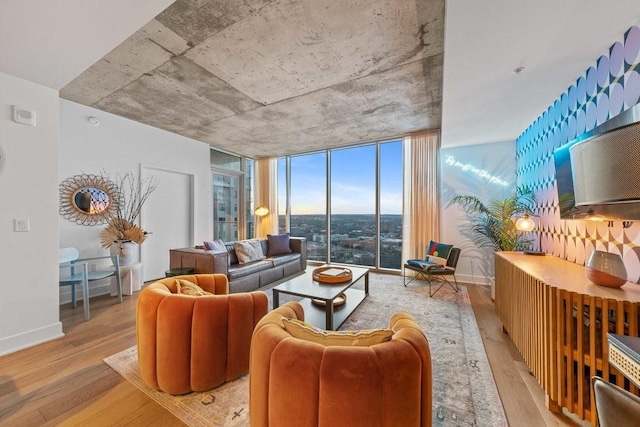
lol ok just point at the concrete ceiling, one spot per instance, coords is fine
(272, 77)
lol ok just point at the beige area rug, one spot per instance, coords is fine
(464, 392)
(227, 405)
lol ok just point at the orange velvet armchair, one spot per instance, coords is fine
(195, 343)
(295, 382)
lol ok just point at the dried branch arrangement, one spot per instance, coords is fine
(133, 193)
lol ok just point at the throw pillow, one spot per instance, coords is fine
(437, 260)
(217, 245)
(364, 338)
(278, 244)
(248, 251)
(439, 250)
(186, 287)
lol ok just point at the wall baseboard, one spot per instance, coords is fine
(30, 338)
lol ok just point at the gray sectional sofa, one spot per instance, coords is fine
(243, 277)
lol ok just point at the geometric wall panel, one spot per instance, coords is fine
(608, 87)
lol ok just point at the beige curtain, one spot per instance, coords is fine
(421, 216)
(266, 194)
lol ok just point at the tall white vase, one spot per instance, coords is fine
(127, 250)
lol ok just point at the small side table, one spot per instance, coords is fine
(130, 279)
(624, 355)
(178, 271)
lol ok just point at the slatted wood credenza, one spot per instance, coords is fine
(559, 321)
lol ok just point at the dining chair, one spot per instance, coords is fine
(616, 407)
(75, 271)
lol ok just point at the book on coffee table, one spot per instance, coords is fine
(333, 272)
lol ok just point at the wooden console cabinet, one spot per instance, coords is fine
(559, 322)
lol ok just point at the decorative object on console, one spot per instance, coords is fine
(606, 269)
(526, 224)
(121, 229)
(492, 224)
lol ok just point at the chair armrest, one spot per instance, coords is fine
(202, 261)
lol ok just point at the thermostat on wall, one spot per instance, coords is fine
(25, 117)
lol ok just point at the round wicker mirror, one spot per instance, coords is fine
(88, 199)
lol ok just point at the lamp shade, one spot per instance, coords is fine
(525, 223)
(261, 211)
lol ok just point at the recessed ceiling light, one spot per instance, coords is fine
(518, 70)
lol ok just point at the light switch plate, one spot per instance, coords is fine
(21, 224)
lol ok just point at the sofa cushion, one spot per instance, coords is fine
(283, 259)
(278, 244)
(186, 287)
(363, 338)
(241, 270)
(231, 250)
(248, 251)
(216, 246)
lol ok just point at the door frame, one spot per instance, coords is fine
(147, 167)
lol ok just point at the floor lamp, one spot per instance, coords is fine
(260, 212)
(526, 224)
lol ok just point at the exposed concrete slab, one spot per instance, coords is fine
(153, 99)
(202, 83)
(268, 78)
(291, 47)
(164, 37)
(127, 62)
(197, 20)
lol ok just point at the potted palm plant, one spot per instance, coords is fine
(492, 224)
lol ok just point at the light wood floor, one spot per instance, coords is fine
(65, 382)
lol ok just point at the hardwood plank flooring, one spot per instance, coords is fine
(65, 382)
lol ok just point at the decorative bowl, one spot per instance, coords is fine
(332, 274)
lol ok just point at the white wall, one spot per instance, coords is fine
(28, 189)
(498, 160)
(120, 145)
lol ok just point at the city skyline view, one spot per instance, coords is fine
(352, 181)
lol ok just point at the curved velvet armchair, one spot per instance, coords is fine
(195, 343)
(294, 382)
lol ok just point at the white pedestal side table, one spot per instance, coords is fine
(130, 277)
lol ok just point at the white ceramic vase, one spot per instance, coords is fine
(127, 250)
(606, 269)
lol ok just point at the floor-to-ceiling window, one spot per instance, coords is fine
(308, 202)
(350, 197)
(232, 188)
(390, 197)
(353, 205)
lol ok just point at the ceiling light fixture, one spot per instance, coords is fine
(93, 121)
(518, 71)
